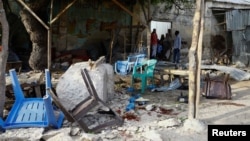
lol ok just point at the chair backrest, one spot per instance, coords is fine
(136, 59)
(121, 67)
(140, 58)
(150, 67)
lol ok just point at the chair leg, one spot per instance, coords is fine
(143, 84)
(132, 82)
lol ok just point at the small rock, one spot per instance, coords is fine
(60, 137)
(169, 122)
(149, 107)
(152, 135)
(75, 131)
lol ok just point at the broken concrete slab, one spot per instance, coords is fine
(71, 89)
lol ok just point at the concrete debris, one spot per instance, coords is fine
(169, 122)
(152, 135)
(146, 128)
(61, 137)
(194, 125)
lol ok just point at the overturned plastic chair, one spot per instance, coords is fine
(31, 112)
(144, 71)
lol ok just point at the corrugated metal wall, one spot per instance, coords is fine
(237, 22)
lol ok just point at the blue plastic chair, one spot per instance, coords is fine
(144, 71)
(31, 112)
(122, 67)
(126, 66)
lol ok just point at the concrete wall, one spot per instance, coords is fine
(182, 20)
(82, 23)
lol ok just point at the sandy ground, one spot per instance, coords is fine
(211, 111)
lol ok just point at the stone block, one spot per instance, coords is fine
(71, 89)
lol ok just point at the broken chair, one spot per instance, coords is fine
(30, 112)
(85, 111)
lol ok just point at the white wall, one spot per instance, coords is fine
(161, 27)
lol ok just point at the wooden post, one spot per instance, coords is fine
(193, 67)
(124, 44)
(199, 57)
(50, 23)
(50, 36)
(3, 55)
(32, 13)
(111, 45)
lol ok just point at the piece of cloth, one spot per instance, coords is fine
(154, 50)
(154, 39)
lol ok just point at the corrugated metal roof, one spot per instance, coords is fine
(234, 1)
(238, 21)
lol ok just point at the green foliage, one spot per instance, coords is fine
(170, 1)
(179, 4)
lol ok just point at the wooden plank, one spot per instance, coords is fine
(123, 7)
(174, 72)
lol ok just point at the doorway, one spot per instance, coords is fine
(161, 27)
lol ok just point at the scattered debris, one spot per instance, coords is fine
(172, 86)
(235, 73)
(230, 103)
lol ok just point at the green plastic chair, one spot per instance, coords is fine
(144, 71)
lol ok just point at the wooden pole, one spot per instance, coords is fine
(111, 45)
(192, 91)
(3, 55)
(32, 13)
(124, 44)
(123, 7)
(199, 57)
(64, 10)
(49, 33)
(50, 36)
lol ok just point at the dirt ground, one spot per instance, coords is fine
(211, 111)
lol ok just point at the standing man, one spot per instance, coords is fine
(154, 42)
(177, 47)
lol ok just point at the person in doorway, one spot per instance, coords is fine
(167, 47)
(177, 47)
(160, 48)
(154, 42)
